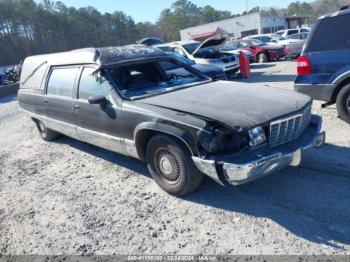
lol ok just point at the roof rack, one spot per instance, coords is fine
(344, 8)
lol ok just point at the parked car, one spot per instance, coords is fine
(294, 49)
(214, 72)
(205, 53)
(122, 99)
(262, 52)
(269, 39)
(150, 41)
(287, 32)
(227, 48)
(294, 39)
(324, 65)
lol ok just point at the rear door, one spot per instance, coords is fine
(59, 99)
(329, 49)
(97, 125)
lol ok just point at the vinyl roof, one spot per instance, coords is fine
(104, 56)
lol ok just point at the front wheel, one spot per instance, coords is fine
(46, 133)
(343, 103)
(262, 58)
(171, 166)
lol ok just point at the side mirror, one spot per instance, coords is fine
(98, 100)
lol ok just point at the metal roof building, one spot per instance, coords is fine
(242, 26)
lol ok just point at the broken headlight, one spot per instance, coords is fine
(219, 139)
(257, 136)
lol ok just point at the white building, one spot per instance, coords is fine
(242, 26)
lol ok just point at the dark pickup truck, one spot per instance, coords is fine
(183, 124)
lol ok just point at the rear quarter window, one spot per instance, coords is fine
(61, 81)
(331, 34)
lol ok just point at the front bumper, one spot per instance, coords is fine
(250, 165)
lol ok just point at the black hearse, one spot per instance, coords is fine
(181, 123)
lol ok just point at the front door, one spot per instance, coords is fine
(98, 125)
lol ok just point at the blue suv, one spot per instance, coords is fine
(324, 65)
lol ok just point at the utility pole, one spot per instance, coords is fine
(246, 5)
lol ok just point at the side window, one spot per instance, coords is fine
(92, 84)
(304, 30)
(61, 82)
(293, 32)
(331, 34)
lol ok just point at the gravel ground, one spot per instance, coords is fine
(69, 197)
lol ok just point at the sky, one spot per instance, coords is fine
(149, 10)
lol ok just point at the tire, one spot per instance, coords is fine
(171, 166)
(262, 58)
(343, 103)
(46, 133)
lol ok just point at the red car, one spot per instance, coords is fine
(261, 51)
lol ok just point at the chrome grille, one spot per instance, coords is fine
(285, 130)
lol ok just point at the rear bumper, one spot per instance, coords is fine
(240, 169)
(323, 92)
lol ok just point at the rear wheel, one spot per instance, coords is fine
(171, 166)
(262, 58)
(46, 133)
(343, 103)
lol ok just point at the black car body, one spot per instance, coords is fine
(121, 99)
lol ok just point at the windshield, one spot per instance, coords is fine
(257, 42)
(146, 79)
(229, 47)
(278, 37)
(190, 48)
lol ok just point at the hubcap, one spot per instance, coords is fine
(168, 166)
(165, 165)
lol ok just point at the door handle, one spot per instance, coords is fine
(76, 107)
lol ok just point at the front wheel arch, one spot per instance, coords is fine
(144, 135)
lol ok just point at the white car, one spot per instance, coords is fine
(288, 32)
(205, 53)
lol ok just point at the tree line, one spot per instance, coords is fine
(28, 27)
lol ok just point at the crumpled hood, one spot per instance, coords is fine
(214, 42)
(233, 103)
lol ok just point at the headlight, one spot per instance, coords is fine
(257, 136)
(220, 139)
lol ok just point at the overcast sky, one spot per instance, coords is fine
(149, 10)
